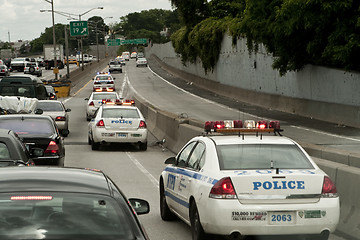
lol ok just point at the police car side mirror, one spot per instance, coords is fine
(87, 99)
(68, 110)
(170, 160)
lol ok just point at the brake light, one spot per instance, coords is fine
(223, 189)
(16, 198)
(328, 189)
(60, 118)
(100, 123)
(52, 148)
(91, 103)
(261, 124)
(142, 124)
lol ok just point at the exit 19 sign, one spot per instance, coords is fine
(79, 28)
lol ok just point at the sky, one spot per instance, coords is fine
(22, 19)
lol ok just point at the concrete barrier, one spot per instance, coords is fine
(178, 131)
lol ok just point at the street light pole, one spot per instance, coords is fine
(56, 71)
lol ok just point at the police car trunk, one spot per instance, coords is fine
(125, 119)
(268, 171)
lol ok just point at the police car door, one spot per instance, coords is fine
(188, 182)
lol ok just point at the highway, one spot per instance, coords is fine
(136, 172)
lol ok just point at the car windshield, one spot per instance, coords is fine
(104, 96)
(261, 156)
(4, 151)
(28, 126)
(26, 91)
(50, 106)
(63, 216)
(31, 64)
(120, 113)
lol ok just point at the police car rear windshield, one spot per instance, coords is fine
(261, 156)
(120, 113)
(104, 96)
(104, 77)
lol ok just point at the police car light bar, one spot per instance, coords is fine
(237, 126)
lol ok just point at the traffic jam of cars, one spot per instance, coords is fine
(237, 178)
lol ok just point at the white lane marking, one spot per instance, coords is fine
(143, 169)
(121, 93)
(325, 133)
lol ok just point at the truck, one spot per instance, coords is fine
(49, 56)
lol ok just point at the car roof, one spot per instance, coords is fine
(251, 139)
(26, 79)
(25, 116)
(53, 179)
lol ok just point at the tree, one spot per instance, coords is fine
(97, 24)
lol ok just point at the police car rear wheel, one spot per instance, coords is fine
(197, 231)
(94, 145)
(165, 212)
(143, 146)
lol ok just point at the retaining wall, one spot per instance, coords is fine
(317, 92)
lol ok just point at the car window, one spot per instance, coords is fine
(103, 78)
(120, 113)
(196, 156)
(261, 156)
(4, 151)
(104, 96)
(63, 216)
(50, 106)
(28, 126)
(184, 155)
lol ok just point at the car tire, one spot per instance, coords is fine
(165, 212)
(143, 146)
(89, 140)
(95, 145)
(197, 231)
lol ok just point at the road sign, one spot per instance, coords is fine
(79, 28)
(118, 42)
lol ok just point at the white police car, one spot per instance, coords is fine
(103, 82)
(97, 99)
(117, 124)
(248, 184)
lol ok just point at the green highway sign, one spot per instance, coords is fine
(79, 28)
(118, 42)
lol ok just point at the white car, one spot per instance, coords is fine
(97, 99)
(126, 56)
(141, 62)
(33, 68)
(248, 184)
(57, 111)
(117, 124)
(103, 83)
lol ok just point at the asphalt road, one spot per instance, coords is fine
(134, 171)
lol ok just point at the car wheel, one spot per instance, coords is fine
(143, 146)
(89, 140)
(165, 212)
(94, 145)
(197, 231)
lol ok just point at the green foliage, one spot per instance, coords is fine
(295, 32)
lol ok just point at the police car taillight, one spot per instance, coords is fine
(100, 123)
(142, 124)
(223, 189)
(328, 189)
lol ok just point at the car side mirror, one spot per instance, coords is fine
(68, 110)
(140, 206)
(39, 111)
(64, 132)
(87, 99)
(170, 160)
(114, 78)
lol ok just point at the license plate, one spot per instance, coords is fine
(281, 218)
(122, 135)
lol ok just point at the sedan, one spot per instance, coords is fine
(104, 83)
(13, 151)
(66, 204)
(141, 62)
(248, 182)
(97, 99)
(57, 110)
(4, 71)
(117, 124)
(40, 132)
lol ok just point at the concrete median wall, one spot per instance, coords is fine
(178, 131)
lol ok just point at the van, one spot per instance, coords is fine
(23, 86)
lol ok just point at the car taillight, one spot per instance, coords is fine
(223, 189)
(52, 148)
(91, 103)
(100, 123)
(26, 198)
(328, 189)
(60, 118)
(142, 124)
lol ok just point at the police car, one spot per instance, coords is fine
(120, 123)
(97, 99)
(245, 181)
(103, 82)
